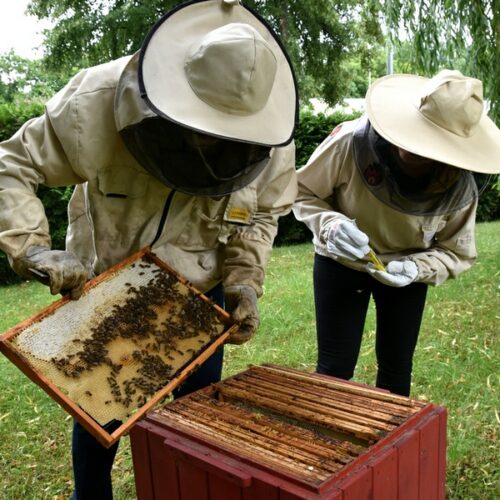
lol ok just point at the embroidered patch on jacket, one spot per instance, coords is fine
(236, 214)
(373, 175)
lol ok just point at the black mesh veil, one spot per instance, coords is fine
(446, 189)
(168, 152)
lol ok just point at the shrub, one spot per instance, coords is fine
(489, 201)
(311, 132)
(12, 116)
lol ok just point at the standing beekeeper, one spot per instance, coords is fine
(399, 181)
(185, 146)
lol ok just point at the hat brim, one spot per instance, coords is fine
(393, 112)
(164, 85)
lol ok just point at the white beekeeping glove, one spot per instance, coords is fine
(397, 273)
(344, 239)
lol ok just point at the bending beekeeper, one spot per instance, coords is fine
(400, 181)
(185, 146)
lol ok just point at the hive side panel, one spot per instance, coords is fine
(429, 459)
(261, 490)
(408, 466)
(141, 462)
(288, 495)
(359, 485)
(163, 470)
(442, 453)
(193, 482)
(385, 470)
(224, 490)
(333, 494)
(210, 461)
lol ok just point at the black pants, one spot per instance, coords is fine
(92, 462)
(341, 299)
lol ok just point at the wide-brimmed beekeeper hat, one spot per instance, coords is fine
(442, 118)
(215, 66)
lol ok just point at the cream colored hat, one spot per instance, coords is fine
(442, 118)
(216, 67)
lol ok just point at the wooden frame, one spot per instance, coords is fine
(105, 438)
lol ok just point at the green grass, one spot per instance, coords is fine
(456, 365)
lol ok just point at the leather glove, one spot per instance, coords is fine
(61, 270)
(397, 273)
(241, 303)
(344, 239)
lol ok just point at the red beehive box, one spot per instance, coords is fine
(277, 433)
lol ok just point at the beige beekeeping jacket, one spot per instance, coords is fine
(330, 188)
(117, 207)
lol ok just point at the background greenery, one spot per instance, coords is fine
(312, 129)
(456, 365)
(331, 42)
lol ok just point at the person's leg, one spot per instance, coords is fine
(211, 370)
(92, 464)
(399, 316)
(341, 297)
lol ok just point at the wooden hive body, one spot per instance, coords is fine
(277, 433)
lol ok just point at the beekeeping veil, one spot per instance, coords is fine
(212, 68)
(442, 119)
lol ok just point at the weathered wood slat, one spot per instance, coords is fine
(310, 378)
(268, 428)
(252, 451)
(330, 422)
(301, 399)
(356, 402)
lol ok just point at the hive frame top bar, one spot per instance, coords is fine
(16, 356)
(303, 427)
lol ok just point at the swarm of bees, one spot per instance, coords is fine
(156, 342)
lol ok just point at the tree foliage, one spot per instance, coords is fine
(23, 79)
(453, 34)
(320, 35)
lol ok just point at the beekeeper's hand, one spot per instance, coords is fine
(241, 303)
(344, 239)
(397, 273)
(65, 273)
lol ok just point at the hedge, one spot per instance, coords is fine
(310, 132)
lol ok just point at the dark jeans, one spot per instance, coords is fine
(92, 462)
(341, 298)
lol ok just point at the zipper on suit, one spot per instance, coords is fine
(164, 214)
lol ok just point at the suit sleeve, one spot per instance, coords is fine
(317, 182)
(248, 250)
(453, 251)
(33, 156)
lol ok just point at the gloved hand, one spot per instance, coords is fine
(397, 273)
(241, 303)
(344, 239)
(63, 269)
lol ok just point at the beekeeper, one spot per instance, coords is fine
(400, 181)
(186, 146)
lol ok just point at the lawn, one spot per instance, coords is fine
(456, 365)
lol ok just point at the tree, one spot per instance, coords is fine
(320, 35)
(23, 79)
(88, 32)
(453, 34)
